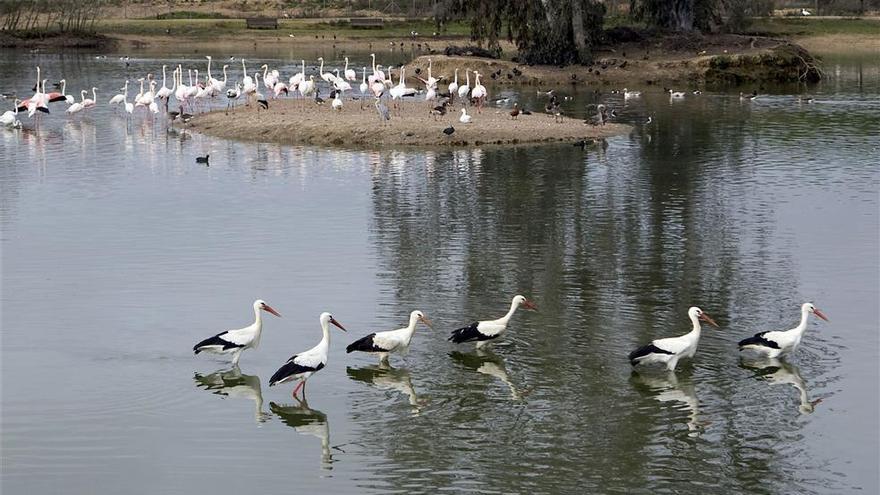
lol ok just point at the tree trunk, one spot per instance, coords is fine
(577, 30)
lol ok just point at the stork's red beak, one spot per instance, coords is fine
(529, 305)
(268, 308)
(426, 321)
(708, 319)
(333, 321)
(820, 314)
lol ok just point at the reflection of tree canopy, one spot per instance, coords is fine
(608, 248)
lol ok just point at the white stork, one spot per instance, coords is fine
(669, 350)
(392, 341)
(483, 332)
(773, 344)
(235, 341)
(305, 364)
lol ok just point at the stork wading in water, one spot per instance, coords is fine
(300, 367)
(390, 342)
(483, 332)
(669, 350)
(773, 344)
(235, 341)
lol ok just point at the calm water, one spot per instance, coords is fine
(119, 253)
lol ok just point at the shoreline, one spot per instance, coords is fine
(290, 122)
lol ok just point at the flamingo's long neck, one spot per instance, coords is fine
(467, 76)
(321, 69)
(506, 318)
(371, 56)
(364, 79)
(243, 68)
(265, 71)
(38, 79)
(209, 67)
(456, 77)
(346, 65)
(63, 86)
(163, 76)
(224, 75)
(82, 94)
(94, 94)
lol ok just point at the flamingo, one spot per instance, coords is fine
(10, 117)
(269, 80)
(246, 81)
(120, 97)
(182, 91)
(53, 97)
(453, 86)
(220, 86)
(307, 87)
(773, 344)
(431, 81)
(236, 341)
(326, 76)
(390, 342)
(248, 89)
(164, 92)
(300, 367)
(483, 332)
(261, 100)
(350, 74)
(297, 78)
(464, 90)
(90, 102)
(210, 81)
(669, 350)
(479, 92)
(77, 106)
(364, 86)
(340, 83)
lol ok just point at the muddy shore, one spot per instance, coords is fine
(305, 123)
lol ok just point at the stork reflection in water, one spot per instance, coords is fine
(385, 377)
(780, 372)
(306, 421)
(488, 363)
(667, 387)
(234, 384)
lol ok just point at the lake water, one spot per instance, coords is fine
(119, 252)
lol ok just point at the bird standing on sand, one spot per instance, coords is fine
(515, 112)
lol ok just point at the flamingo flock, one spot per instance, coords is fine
(195, 91)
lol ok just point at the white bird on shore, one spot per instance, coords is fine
(300, 367)
(164, 92)
(326, 76)
(297, 78)
(464, 90)
(669, 350)
(392, 341)
(364, 87)
(340, 83)
(337, 101)
(350, 74)
(235, 341)
(465, 118)
(774, 344)
(453, 86)
(483, 332)
(246, 79)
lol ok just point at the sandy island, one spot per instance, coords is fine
(288, 121)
